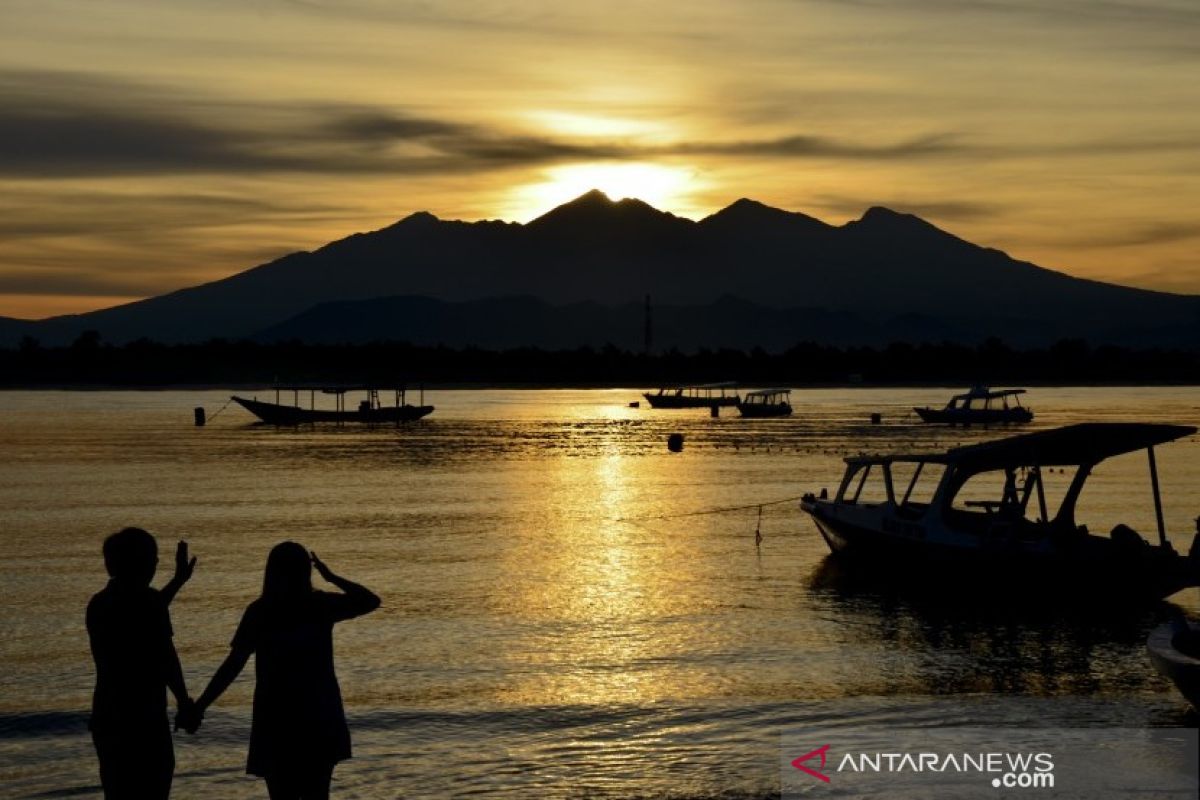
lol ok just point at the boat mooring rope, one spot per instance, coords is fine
(219, 410)
(706, 512)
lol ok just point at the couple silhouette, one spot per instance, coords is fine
(299, 731)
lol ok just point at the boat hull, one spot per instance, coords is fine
(981, 416)
(1180, 668)
(678, 401)
(1093, 563)
(275, 414)
(755, 410)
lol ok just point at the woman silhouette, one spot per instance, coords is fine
(299, 729)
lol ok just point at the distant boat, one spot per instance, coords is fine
(979, 406)
(370, 409)
(766, 403)
(1175, 660)
(1014, 538)
(704, 395)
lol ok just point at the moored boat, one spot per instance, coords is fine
(876, 516)
(704, 395)
(1174, 649)
(980, 406)
(369, 410)
(766, 403)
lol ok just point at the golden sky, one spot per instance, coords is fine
(149, 145)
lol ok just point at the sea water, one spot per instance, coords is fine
(569, 609)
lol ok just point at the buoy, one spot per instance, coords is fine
(675, 442)
(200, 416)
(876, 418)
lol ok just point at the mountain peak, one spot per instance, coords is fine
(878, 222)
(596, 208)
(418, 219)
(881, 216)
(745, 212)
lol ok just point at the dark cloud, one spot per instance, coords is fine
(1166, 17)
(822, 147)
(61, 125)
(27, 213)
(1136, 235)
(370, 125)
(71, 282)
(957, 210)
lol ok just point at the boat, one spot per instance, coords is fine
(370, 409)
(1174, 649)
(909, 514)
(766, 403)
(704, 395)
(980, 406)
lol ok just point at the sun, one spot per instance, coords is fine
(667, 188)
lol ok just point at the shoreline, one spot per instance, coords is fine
(454, 386)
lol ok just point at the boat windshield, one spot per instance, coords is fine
(916, 482)
(1015, 493)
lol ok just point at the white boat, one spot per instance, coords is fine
(1015, 538)
(369, 410)
(979, 406)
(703, 395)
(1174, 649)
(766, 403)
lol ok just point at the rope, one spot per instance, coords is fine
(720, 510)
(219, 410)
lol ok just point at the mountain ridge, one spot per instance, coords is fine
(886, 264)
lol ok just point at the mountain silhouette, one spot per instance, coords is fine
(594, 259)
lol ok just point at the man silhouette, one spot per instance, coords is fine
(129, 628)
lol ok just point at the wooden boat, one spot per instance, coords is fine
(979, 406)
(704, 395)
(1174, 649)
(766, 403)
(875, 517)
(370, 410)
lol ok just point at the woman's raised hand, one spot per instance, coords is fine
(324, 571)
(183, 566)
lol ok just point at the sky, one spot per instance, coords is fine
(150, 145)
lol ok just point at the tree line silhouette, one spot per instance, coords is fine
(89, 361)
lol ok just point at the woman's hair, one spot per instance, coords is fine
(289, 572)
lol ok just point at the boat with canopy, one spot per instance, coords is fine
(980, 406)
(371, 409)
(703, 395)
(985, 508)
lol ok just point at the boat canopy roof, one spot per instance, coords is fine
(767, 392)
(984, 393)
(1085, 443)
(326, 388)
(686, 386)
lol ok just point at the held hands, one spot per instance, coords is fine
(183, 566)
(189, 716)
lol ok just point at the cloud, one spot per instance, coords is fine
(1136, 235)
(61, 125)
(957, 210)
(823, 147)
(56, 125)
(31, 213)
(69, 282)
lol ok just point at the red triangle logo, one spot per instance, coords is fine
(800, 765)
